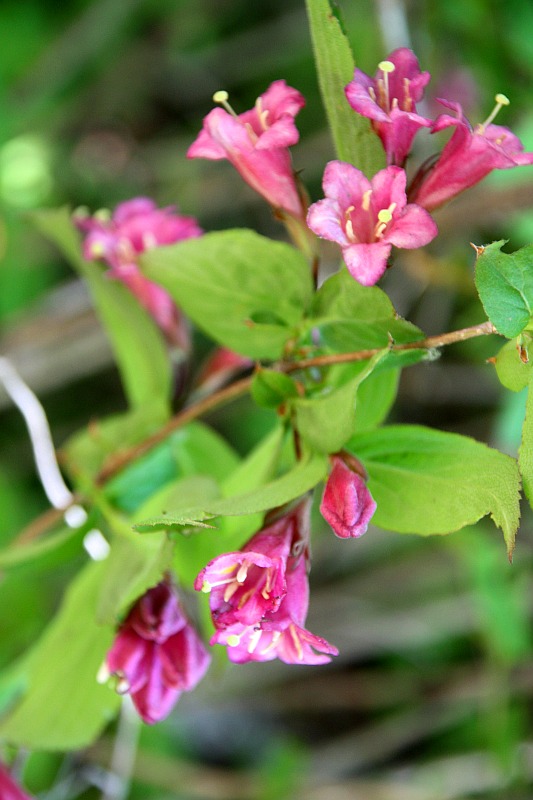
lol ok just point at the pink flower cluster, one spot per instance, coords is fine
(157, 654)
(9, 790)
(259, 595)
(135, 226)
(366, 218)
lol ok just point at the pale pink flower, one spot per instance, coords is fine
(280, 634)
(135, 226)
(246, 585)
(347, 504)
(366, 218)
(470, 155)
(157, 654)
(256, 143)
(389, 99)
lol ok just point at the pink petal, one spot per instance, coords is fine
(414, 228)
(367, 262)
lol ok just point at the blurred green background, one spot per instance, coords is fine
(431, 696)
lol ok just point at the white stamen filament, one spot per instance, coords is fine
(230, 590)
(501, 100)
(262, 113)
(254, 640)
(386, 67)
(365, 202)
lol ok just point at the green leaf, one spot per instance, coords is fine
(303, 477)
(375, 397)
(63, 706)
(327, 421)
(505, 286)
(525, 453)
(429, 482)
(136, 341)
(245, 291)
(271, 388)
(134, 564)
(192, 450)
(512, 372)
(14, 555)
(353, 138)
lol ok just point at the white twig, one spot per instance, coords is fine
(43, 448)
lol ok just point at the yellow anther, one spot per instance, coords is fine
(502, 100)
(221, 97)
(233, 640)
(97, 249)
(386, 66)
(384, 215)
(206, 587)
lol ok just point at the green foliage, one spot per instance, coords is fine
(271, 388)
(430, 482)
(525, 453)
(137, 343)
(63, 707)
(513, 372)
(352, 136)
(245, 291)
(505, 286)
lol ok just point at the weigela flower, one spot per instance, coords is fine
(157, 654)
(246, 585)
(9, 790)
(389, 99)
(367, 217)
(135, 226)
(470, 155)
(347, 504)
(257, 143)
(280, 634)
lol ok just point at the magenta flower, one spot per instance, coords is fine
(257, 143)
(9, 790)
(389, 99)
(467, 158)
(280, 634)
(135, 226)
(248, 584)
(367, 217)
(346, 505)
(157, 654)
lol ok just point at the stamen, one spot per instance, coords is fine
(221, 97)
(233, 640)
(296, 642)
(365, 202)
(243, 572)
(386, 67)
(407, 99)
(384, 217)
(244, 599)
(349, 231)
(262, 113)
(254, 640)
(230, 590)
(97, 250)
(272, 644)
(122, 686)
(501, 100)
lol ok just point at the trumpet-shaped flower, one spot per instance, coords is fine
(248, 584)
(157, 654)
(367, 217)
(135, 226)
(280, 634)
(257, 143)
(9, 790)
(389, 101)
(346, 505)
(470, 155)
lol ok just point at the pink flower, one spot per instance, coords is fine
(389, 101)
(221, 366)
(9, 790)
(280, 634)
(157, 654)
(257, 143)
(347, 505)
(248, 584)
(467, 158)
(135, 226)
(367, 217)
